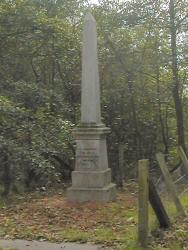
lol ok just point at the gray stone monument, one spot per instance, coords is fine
(91, 180)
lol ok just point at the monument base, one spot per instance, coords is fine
(91, 179)
(105, 194)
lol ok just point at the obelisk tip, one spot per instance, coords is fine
(89, 17)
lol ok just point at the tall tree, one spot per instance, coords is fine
(176, 89)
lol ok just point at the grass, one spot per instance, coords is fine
(73, 235)
(184, 199)
(177, 236)
(53, 218)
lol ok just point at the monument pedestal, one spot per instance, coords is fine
(91, 180)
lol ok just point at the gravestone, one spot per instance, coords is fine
(91, 180)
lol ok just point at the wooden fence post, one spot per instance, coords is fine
(143, 197)
(157, 206)
(169, 183)
(183, 158)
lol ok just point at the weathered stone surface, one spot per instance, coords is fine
(91, 180)
(90, 95)
(105, 194)
(91, 151)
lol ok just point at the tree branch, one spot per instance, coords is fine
(181, 21)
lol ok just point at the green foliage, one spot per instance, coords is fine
(29, 139)
(40, 76)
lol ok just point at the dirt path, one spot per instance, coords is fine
(35, 245)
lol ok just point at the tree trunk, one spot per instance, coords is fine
(121, 165)
(136, 133)
(7, 178)
(160, 114)
(176, 83)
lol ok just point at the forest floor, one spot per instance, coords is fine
(48, 216)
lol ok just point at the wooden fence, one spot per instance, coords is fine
(148, 194)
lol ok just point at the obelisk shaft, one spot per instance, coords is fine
(90, 99)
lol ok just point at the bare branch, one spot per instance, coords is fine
(181, 21)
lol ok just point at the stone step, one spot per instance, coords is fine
(105, 194)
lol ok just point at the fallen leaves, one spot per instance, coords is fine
(56, 219)
(53, 218)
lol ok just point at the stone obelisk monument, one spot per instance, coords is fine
(91, 180)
